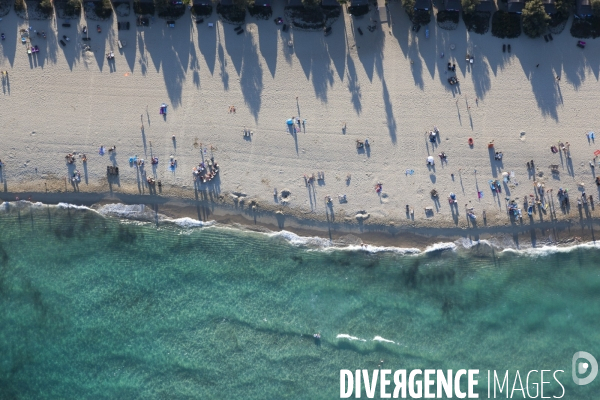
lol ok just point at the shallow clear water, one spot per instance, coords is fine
(91, 307)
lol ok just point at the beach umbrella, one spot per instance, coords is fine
(290, 121)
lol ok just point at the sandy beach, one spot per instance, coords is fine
(389, 87)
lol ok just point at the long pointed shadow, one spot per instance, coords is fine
(143, 60)
(207, 42)
(128, 39)
(251, 79)
(389, 113)
(310, 55)
(267, 41)
(99, 45)
(292, 131)
(11, 31)
(194, 63)
(354, 86)
(234, 50)
(336, 47)
(223, 65)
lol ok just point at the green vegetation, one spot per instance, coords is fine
(143, 8)
(45, 7)
(595, 8)
(202, 10)
(588, 27)
(478, 22)
(260, 11)
(448, 16)
(420, 17)
(166, 9)
(469, 6)
(558, 20)
(409, 7)
(103, 9)
(506, 25)
(72, 8)
(19, 5)
(235, 13)
(311, 3)
(535, 19)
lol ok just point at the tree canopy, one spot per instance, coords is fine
(595, 8)
(469, 6)
(409, 7)
(311, 3)
(535, 19)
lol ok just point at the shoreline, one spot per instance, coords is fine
(517, 236)
(389, 87)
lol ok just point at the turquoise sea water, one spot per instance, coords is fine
(96, 308)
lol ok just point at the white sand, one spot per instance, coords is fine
(389, 86)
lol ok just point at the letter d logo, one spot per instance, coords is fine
(583, 367)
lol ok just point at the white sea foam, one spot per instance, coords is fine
(467, 243)
(380, 339)
(123, 210)
(72, 206)
(552, 249)
(322, 244)
(346, 336)
(441, 246)
(297, 240)
(315, 243)
(381, 249)
(189, 222)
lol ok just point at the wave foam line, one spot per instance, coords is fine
(346, 336)
(549, 250)
(380, 339)
(297, 240)
(119, 210)
(139, 212)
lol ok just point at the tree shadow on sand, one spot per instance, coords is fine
(251, 79)
(310, 48)
(172, 58)
(353, 85)
(267, 41)
(207, 43)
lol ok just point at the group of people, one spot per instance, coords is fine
(309, 180)
(205, 172)
(76, 178)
